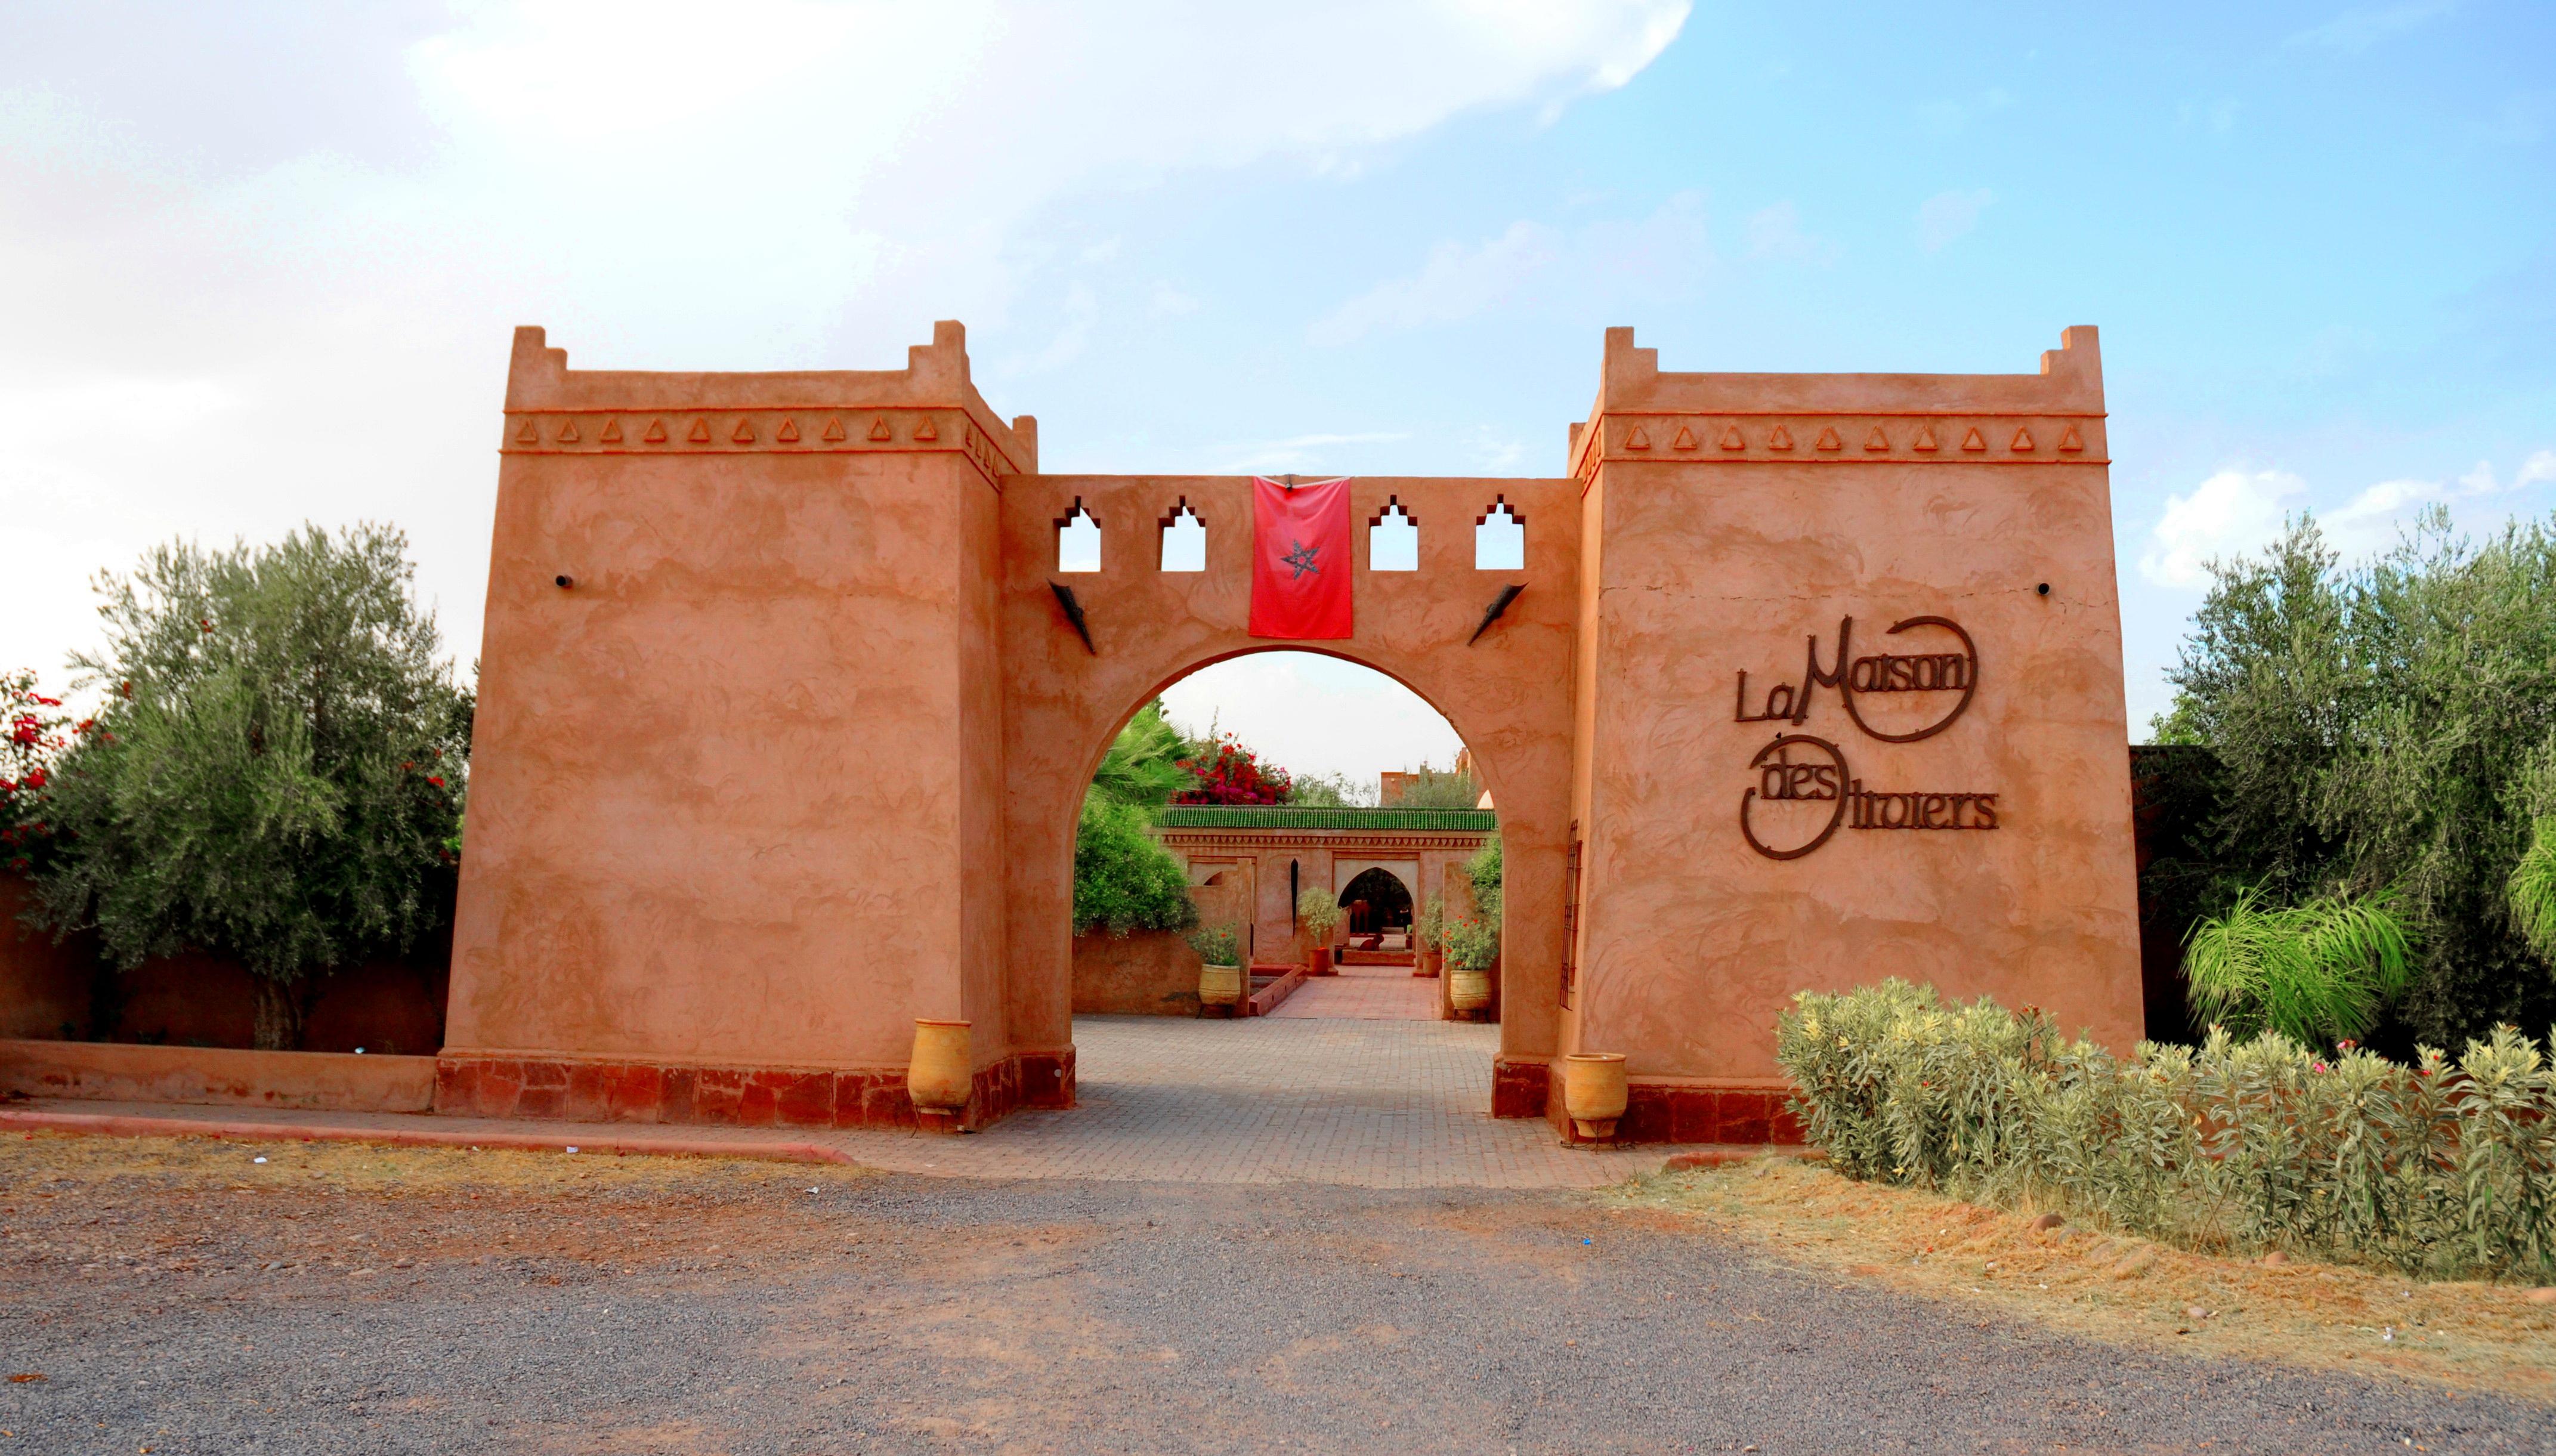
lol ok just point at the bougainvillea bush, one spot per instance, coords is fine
(36, 733)
(1223, 771)
(2440, 1167)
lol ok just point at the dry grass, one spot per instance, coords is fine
(2113, 1286)
(357, 1167)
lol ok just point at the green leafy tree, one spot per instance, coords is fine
(277, 774)
(1143, 768)
(2383, 726)
(1122, 879)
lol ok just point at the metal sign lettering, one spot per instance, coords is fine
(1800, 768)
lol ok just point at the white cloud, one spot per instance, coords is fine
(1532, 263)
(2359, 30)
(317, 226)
(1775, 234)
(2371, 520)
(2229, 514)
(1948, 216)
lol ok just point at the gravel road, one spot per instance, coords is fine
(745, 1313)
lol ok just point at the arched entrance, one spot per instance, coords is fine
(1507, 693)
(1377, 902)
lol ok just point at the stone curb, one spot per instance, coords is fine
(120, 1125)
(1726, 1153)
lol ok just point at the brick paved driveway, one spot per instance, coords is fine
(1379, 1103)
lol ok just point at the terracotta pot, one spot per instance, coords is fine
(1220, 986)
(1593, 1091)
(938, 1078)
(1321, 961)
(1468, 991)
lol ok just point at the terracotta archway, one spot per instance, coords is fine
(1507, 693)
(781, 726)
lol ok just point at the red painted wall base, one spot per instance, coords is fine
(1741, 1111)
(739, 1097)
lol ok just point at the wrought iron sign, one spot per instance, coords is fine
(1805, 769)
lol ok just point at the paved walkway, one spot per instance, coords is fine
(1271, 1099)
(1347, 1101)
(1364, 993)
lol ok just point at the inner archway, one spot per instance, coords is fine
(1376, 902)
(1309, 817)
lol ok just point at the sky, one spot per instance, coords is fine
(263, 260)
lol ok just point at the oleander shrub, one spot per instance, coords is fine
(2441, 1167)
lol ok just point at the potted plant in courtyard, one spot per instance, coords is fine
(1220, 976)
(1319, 916)
(1473, 950)
(1429, 938)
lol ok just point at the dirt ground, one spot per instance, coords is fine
(170, 1297)
(2466, 1335)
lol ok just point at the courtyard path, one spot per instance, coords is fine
(1376, 1104)
(1364, 993)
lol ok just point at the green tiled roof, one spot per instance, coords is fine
(1288, 816)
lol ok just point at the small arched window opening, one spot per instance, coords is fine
(1499, 539)
(1393, 539)
(1077, 539)
(1184, 539)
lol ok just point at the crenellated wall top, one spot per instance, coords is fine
(929, 406)
(1642, 415)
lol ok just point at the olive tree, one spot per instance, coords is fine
(277, 769)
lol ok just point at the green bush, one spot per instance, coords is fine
(1218, 945)
(1472, 945)
(1122, 879)
(1317, 911)
(2318, 973)
(2437, 1168)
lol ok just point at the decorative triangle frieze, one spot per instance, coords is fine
(834, 433)
(1685, 439)
(2023, 442)
(1640, 438)
(656, 432)
(1975, 441)
(1925, 441)
(788, 434)
(1782, 439)
(927, 429)
(700, 432)
(611, 431)
(1876, 441)
(568, 434)
(879, 428)
(1731, 439)
(2071, 442)
(530, 434)
(1828, 439)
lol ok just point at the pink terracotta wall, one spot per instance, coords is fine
(121, 1072)
(197, 999)
(734, 791)
(1724, 552)
(1145, 972)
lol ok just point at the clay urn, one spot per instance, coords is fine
(1468, 990)
(938, 1078)
(1220, 986)
(1593, 1093)
(1321, 961)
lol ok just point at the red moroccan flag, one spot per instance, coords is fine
(1299, 559)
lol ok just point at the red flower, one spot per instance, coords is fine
(436, 779)
(34, 778)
